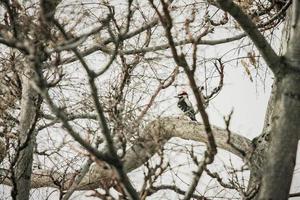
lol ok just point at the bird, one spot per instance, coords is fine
(185, 105)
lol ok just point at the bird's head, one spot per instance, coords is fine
(182, 94)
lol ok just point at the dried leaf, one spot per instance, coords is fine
(247, 69)
(251, 56)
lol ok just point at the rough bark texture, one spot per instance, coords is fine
(285, 127)
(152, 138)
(284, 139)
(293, 36)
(24, 155)
(2, 150)
(160, 131)
(261, 145)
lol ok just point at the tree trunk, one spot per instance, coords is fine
(285, 130)
(22, 163)
(278, 167)
(257, 158)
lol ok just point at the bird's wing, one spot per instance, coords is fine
(188, 103)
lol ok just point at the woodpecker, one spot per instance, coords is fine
(185, 105)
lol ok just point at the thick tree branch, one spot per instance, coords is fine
(156, 134)
(285, 129)
(293, 44)
(22, 161)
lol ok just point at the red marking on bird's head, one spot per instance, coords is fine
(183, 93)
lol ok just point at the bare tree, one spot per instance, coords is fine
(83, 86)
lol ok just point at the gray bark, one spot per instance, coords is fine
(285, 127)
(273, 159)
(2, 150)
(285, 130)
(151, 141)
(24, 153)
(257, 158)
